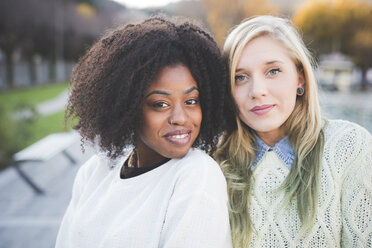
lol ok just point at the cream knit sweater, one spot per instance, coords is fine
(344, 216)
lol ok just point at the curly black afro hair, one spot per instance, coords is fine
(109, 82)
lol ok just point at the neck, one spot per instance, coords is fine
(272, 137)
(147, 157)
(143, 161)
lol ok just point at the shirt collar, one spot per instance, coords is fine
(282, 148)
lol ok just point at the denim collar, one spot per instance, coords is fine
(283, 149)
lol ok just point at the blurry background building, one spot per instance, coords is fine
(337, 72)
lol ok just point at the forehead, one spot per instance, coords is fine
(173, 78)
(263, 49)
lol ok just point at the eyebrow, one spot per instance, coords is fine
(267, 63)
(274, 61)
(161, 92)
(190, 90)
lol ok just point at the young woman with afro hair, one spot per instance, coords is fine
(151, 97)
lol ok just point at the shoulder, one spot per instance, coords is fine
(346, 143)
(336, 126)
(197, 155)
(200, 168)
(96, 167)
(345, 133)
(93, 163)
(198, 160)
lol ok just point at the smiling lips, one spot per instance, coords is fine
(262, 109)
(179, 137)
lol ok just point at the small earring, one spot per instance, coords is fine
(300, 91)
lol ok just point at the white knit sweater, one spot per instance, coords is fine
(344, 217)
(182, 203)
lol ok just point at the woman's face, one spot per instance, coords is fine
(266, 81)
(171, 116)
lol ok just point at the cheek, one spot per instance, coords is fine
(240, 96)
(236, 93)
(288, 99)
(152, 123)
(197, 116)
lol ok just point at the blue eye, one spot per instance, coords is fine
(274, 72)
(240, 78)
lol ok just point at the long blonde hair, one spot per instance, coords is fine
(303, 127)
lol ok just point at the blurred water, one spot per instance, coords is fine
(351, 106)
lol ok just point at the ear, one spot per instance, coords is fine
(301, 79)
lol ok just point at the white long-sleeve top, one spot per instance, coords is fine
(344, 215)
(182, 203)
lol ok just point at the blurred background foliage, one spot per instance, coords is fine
(13, 133)
(49, 29)
(62, 30)
(20, 123)
(339, 26)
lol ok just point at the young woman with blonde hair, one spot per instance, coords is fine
(294, 179)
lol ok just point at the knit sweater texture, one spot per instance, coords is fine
(182, 203)
(344, 214)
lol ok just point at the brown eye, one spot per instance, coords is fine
(191, 102)
(158, 105)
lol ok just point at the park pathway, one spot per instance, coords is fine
(54, 105)
(28, 220)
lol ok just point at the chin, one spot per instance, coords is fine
(177, 154)
(264, 129)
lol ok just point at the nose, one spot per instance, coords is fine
(178, 115)
(258, 88)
